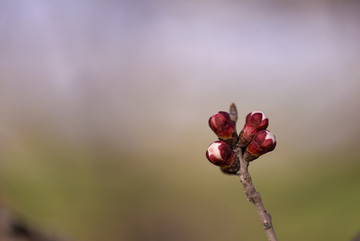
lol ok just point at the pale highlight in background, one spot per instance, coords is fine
(102, 69)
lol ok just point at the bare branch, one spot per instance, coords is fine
(254, 197)
(251, 194)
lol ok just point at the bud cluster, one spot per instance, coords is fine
(255, 121)
(264, 141)
(220, 153)
(253, 139)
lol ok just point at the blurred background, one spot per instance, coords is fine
(104, 108)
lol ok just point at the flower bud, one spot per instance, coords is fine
(263, 142)
(220, 154)
(255, 121)
(222, 125)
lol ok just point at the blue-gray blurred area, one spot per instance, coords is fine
(104, 108)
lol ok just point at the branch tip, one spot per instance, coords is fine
(233, 113)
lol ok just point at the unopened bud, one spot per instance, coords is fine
(255, 121)
(220, 154)
(264, 141)
(222, 125)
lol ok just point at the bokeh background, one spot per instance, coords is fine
(104, 108)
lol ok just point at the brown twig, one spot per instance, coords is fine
(254, 197)
(251, 194)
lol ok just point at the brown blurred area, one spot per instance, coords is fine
(104, 108)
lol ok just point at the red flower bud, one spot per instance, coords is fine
(222, 125)
(263, 142)
(255, 121)
(220, 154)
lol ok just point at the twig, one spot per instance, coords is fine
(252, 195)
